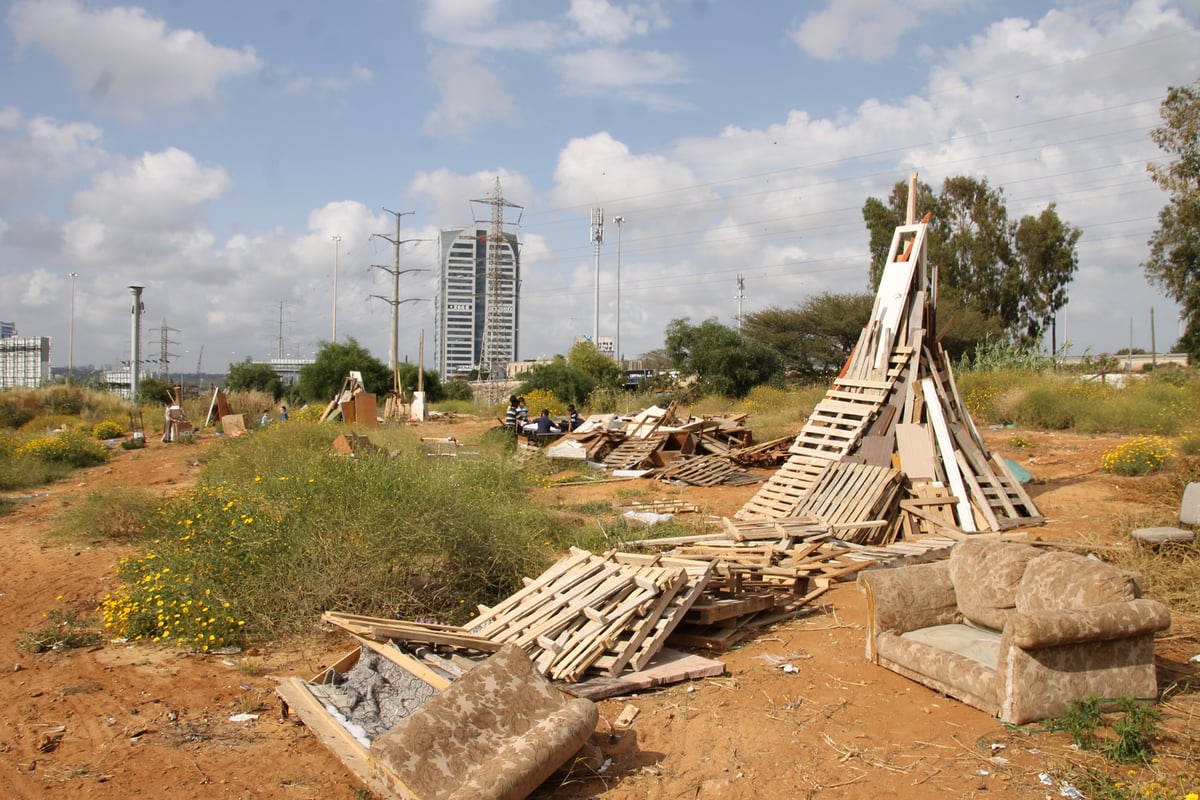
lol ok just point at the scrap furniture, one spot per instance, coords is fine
(1013, 630)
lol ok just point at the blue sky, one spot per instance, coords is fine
(209, 151)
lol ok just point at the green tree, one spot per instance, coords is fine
(153, 391)
(1017, 273)
(558, 376)
(586, 358)
(1045, 246)
(321, 380)
(725, 362)
(246, 376)
(434, 391)
(815, 338)
(1174, 262)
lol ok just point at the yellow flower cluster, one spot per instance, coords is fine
(1138, 456)
(108, 429)
(72, 447)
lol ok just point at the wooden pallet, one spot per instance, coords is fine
(633, 453)
(698, 470)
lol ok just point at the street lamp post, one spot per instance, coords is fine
(71, 334)
(618, 221)
(337, 240)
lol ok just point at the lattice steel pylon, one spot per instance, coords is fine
(491, 362)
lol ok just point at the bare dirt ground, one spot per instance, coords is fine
(119, 721)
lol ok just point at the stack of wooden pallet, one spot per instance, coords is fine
(891, 448)
(587, 614)
(763, 573)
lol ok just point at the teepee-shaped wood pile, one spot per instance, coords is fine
(891, 451)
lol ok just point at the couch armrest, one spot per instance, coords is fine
(907, 598)
(1095, 624)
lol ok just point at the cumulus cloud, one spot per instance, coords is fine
(323, 87)
(152, 192)
(623, 74)
(600, 20)
(864, 30)
(470, 95)
(126, 57)
(41, 151)
(479, 24)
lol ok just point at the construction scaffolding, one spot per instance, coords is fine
(24, 361)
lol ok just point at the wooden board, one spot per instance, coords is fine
(669, 666)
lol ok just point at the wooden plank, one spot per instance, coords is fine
(966, 518)
(916, 451)
(668, 666)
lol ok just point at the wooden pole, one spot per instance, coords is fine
(910, 216)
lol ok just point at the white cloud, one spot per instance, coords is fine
(599, 20)
(358, 76)
(865, 30)
(155, 191)
(623, 74)
(36, 153)
(471, 94)
(477, 24)
(124, 56)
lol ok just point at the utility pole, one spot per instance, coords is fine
(597, 240)
(71, 334)
(619, 221)
(741, 295)
(337, 240)
(280, 345)
(395, 301)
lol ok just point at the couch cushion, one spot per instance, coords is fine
(986, 576)
(944, 670)
(1063, 581)
(979, 644)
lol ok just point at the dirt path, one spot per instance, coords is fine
(119, 721)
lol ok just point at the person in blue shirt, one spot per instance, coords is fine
(544, 424)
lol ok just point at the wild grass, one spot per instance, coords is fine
(110, 515)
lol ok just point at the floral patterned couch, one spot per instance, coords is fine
(1013, 630)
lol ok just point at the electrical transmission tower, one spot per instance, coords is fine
(395, 301)
(164, 348)
(495, 329)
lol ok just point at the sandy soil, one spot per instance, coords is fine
(117, 721)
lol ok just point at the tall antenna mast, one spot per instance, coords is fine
(491, 353)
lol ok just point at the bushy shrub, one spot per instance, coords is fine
(277, 531)
(108, 429)
(73, 448)
(1138, 456)
(537, 399)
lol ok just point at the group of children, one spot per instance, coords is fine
(517, 417)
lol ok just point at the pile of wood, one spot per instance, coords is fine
(763, 573)
(699, 451)
(891, 450)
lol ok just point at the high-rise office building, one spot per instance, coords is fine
(478, 301)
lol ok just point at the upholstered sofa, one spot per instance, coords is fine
(1014, 630)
